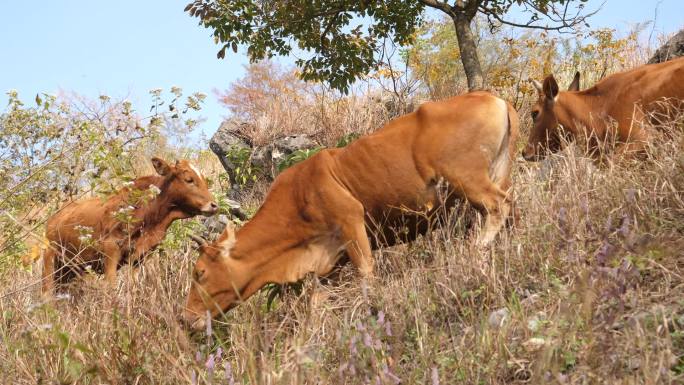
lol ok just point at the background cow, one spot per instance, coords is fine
(615, 107)
(105, 234)
(319, 208)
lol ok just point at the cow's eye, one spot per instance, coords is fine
(534, 114)
(189, 180)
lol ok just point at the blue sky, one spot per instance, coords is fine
(125, 48)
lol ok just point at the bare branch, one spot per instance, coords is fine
(564, 22)
(442, 6)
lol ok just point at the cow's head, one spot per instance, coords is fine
(546, 134)
(185, 187)
(219, 282)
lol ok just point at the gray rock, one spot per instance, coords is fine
(674, 48)
(536, 322)
(214, 226)
(262, 159)
(265, 159)
(498, 318)
(227, 139)
(292, 143)
(534, 344)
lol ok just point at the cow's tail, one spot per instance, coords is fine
(501, 164)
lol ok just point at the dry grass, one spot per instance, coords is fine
(586, 288)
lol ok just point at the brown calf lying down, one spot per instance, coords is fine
(105, 234)
(628, 98)
(319, 208)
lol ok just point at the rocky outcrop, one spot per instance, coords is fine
(672, 49)
(236, 152)
(227, 140)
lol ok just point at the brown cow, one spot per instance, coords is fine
(624, 98)
(320, 207)
(105, 234)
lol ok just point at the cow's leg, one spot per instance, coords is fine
(487, 196)
(506, 185)
(348, 213)
(49, 271)
(357, 245)
(112, 256)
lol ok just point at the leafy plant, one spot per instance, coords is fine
(297, 156)
(244, 171)
(345, 140)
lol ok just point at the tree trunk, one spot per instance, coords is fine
(466, 44)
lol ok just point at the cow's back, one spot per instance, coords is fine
(643, 85)
(78, 221)
(395, 172)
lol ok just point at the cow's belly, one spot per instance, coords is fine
(319, 256)
(394, 223)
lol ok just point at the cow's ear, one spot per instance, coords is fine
(227, 239)
(161, 166)
(575, 85)
(537, 86)
(550, 87)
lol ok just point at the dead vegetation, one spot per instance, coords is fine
(586, 287)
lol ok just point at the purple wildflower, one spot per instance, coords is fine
(228, 373)
(624, 227)
(605, 252)
(367, 340)
(210, 364)
(563, 219)
(435, 376)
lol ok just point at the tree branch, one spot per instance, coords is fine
(442, 6)
(562, 19)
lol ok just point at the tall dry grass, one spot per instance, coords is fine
(587, 287)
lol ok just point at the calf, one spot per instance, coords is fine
(106, 233)
(320, 208)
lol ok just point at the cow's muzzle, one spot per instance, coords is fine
(530, 155)
(209, 209)
(193, 321)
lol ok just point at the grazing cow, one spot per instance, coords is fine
(319, 208)
(106, 233)
(615, 107)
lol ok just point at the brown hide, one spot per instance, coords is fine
(322, 207)
(96, 232)
(615, 107)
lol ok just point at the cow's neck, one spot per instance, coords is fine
(159, 212)
(580, 113)
(267, 251)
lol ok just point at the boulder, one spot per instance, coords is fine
(673, 48)
(292, 143)
(228, 139)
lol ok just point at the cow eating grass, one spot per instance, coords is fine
(615, 108)
(320, 208)
(105, 234)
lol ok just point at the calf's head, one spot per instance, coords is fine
(219, 282)
(546, 134)
(185, 187)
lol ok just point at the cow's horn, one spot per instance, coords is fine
(536, 85)
(199, 240)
